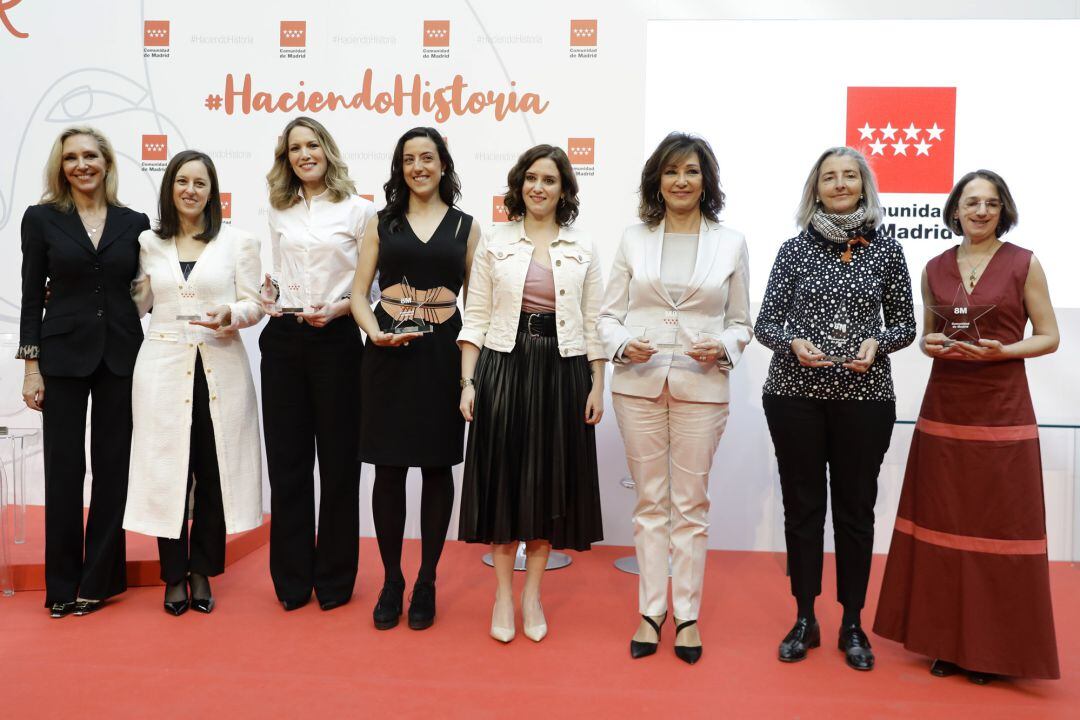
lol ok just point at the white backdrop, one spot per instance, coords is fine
(612, 76)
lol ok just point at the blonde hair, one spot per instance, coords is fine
(284, 185)
(57, 187)
(871, 200)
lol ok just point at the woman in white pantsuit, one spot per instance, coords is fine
(193, 399)
(675, 320)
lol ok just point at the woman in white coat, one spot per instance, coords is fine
(675, 320)
(193, 399)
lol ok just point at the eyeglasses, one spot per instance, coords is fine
(992, 206)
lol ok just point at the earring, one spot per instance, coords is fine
(562, 201)
(659, 197)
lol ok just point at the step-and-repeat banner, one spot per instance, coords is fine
(926, 101)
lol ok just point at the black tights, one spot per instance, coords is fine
(388, 509)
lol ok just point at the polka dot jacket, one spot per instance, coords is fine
(811, 290)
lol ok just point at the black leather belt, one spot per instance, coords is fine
(537, 324)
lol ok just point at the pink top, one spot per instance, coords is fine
(538, 295)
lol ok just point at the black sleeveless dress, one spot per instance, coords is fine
(409, 416)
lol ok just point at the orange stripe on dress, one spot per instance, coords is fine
(970, 543)
(989, 433)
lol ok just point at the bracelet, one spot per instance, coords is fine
(465, 382)
(35, 372)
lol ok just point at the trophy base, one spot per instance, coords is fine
(189, 317)
(291, 310)
(838, 359)
(967, 341)
(412, 327)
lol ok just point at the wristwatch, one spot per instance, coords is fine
(465, 382)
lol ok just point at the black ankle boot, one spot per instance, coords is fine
(422, 605)
(388, 609)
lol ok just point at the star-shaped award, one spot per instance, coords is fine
(960, 317)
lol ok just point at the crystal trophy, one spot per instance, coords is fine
(412, 309)
(959, 318)
(292, 297)
(189, 309)
(666, 335)
(837, 336)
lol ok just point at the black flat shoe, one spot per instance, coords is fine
(331, 604)
(856, 647)
(639, 649)
(804, 635)
(291, 605)
(85, 607)
(60, 609)
(686, 653)
(387, 611)
(943, 668)
(422, 605)
(981, 678)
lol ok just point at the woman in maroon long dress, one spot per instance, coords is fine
(967, 580)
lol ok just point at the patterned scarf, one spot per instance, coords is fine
(841, 229)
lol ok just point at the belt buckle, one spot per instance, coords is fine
(529, 325)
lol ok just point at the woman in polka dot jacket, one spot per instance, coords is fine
(837, 303)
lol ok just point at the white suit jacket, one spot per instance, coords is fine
(227, 273)
(716, 305)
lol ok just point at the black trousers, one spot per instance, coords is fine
(205, 554)
(311, 406)
(98, 570)
(850, 437)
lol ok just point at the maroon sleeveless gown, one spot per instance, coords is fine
(967, 579)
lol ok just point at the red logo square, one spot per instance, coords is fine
(226, 205)
(581, 151)
(156, 33)
(908, 135)
(582, 33)
(437, 33)
(294, 33)
(155, 147)
(498, 209)
(369, 198)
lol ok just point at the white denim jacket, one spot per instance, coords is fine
(497, 280)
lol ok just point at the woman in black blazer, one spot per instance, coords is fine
(82, 243)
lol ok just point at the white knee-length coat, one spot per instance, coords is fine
(227, 273)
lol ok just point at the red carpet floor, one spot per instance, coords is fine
(249, 659)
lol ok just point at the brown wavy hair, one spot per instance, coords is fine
(567, 211)
(284, 185)
(1009, 214)
(675, 147)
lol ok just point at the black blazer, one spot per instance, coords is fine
(90, 316)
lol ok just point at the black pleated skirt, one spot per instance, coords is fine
(530, 465)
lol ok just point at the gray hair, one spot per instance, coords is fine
(871, 201)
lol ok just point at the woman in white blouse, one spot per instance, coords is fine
(676, 318)
(311, 352)
(532, 378)
(193, 399)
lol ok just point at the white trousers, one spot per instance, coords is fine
(670, 445)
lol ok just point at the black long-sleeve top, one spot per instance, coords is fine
(810, 287)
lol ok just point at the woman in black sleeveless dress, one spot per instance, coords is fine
(421, 247)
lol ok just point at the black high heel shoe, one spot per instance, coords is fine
(687, 653)
(639, 649)
(177, 607)
(203, 604)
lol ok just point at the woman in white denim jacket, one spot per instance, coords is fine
(529, 334)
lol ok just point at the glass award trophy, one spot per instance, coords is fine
(666, 335)
(189, 309)
(411, 311)
(959, 318)
(837, 337)
(292, 297)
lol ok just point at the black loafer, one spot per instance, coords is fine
(856, 647)
(85, 607)
(291, 605)
(640, 649)
(687, 653)
(331, 604)
(388, 610)
(805, 634)
(943, 668)
(60, 609)
(422, 605)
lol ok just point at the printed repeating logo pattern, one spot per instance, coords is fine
(294, 33)
(156, 33)
(581, 151)
(226, 205)
(155, 147)
(907, 135)
(583, 33)
(498, 210)
(437, 33)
